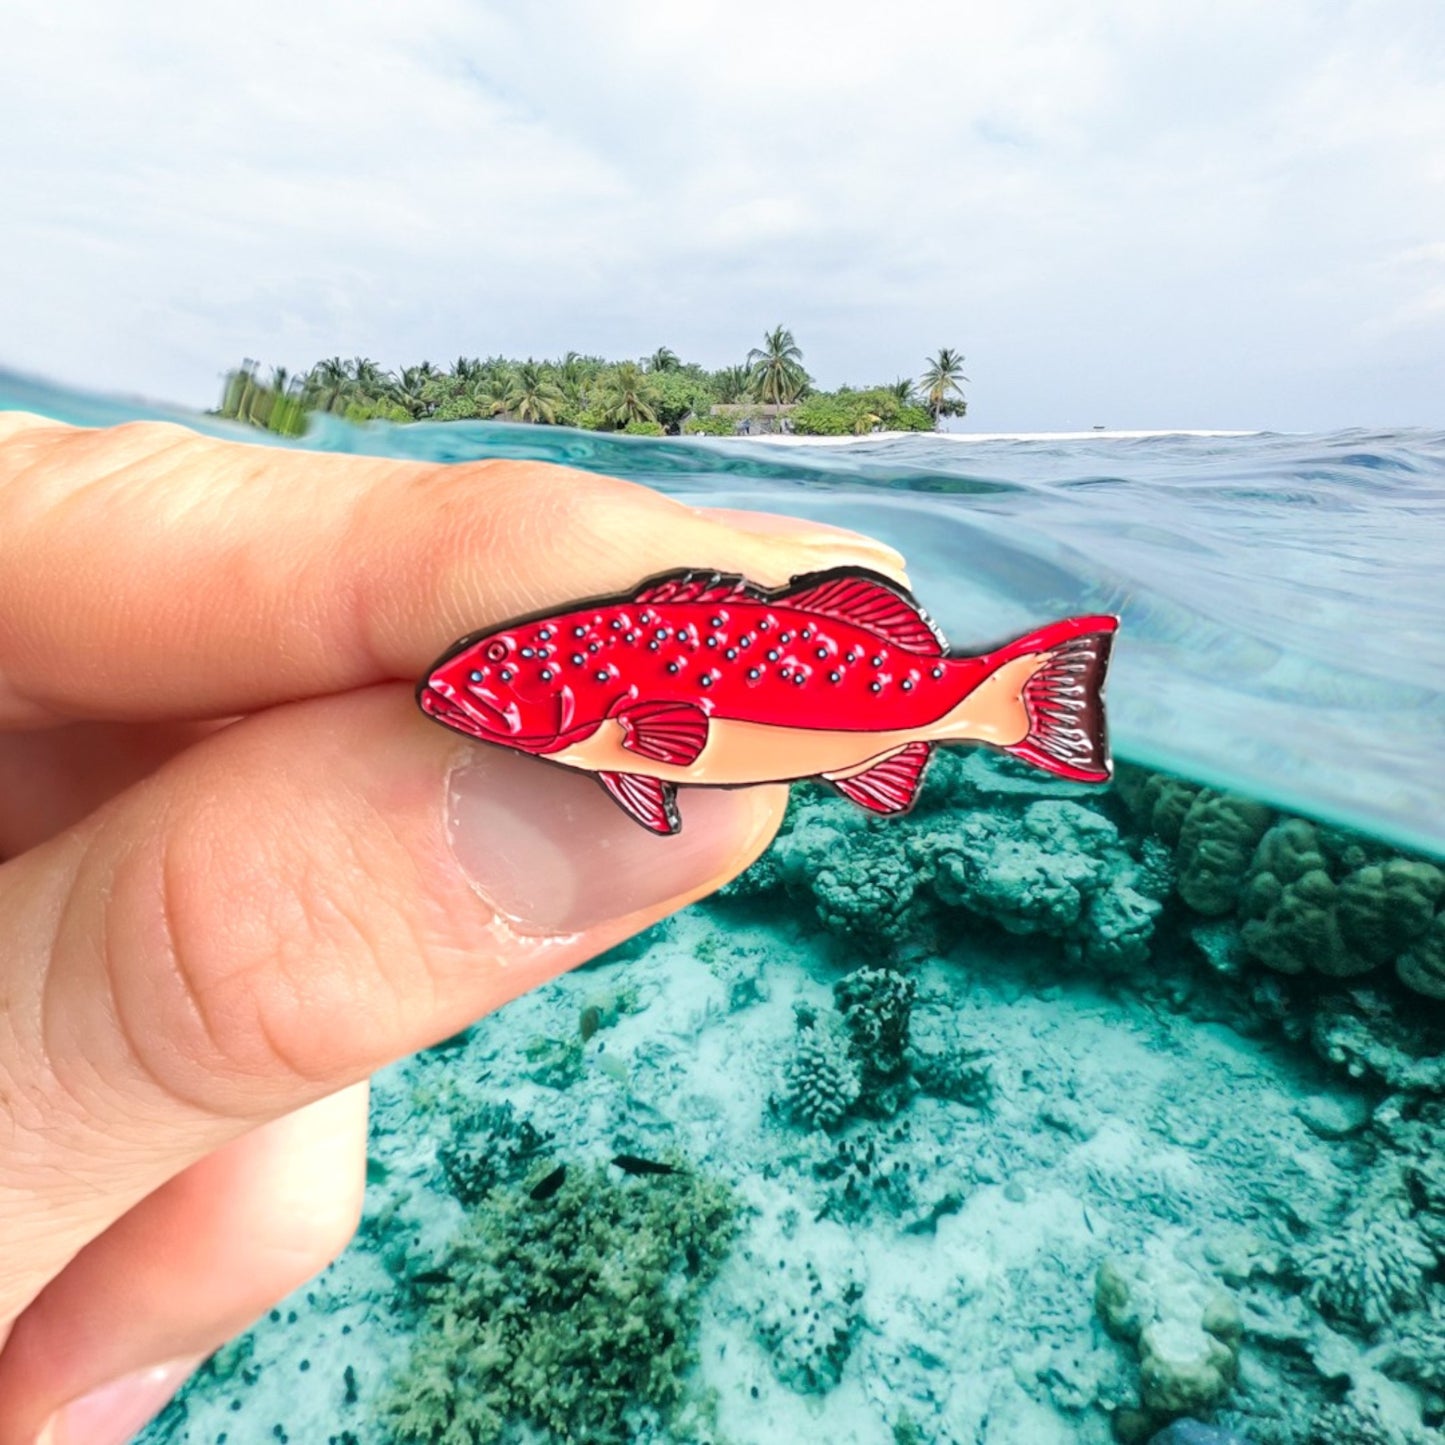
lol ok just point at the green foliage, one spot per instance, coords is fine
(565, 1313)
(644, 429)
(674, 395)
(709, 426)
(575, 390)
(855, 413)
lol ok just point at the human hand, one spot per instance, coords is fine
(242, 872)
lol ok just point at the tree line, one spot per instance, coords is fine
(655, 396)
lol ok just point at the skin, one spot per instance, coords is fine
(228, 894)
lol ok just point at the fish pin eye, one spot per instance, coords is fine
(496, 651)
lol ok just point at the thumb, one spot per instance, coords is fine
(280, 910)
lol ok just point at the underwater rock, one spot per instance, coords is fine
(1364, 1033)
(1217, 840)
(1192, 1432)
(822, 1079)
(1333, 1116)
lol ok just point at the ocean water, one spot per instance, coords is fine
(1045, 1114)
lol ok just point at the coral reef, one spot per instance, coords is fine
(1188, 1341)
(1057, 868)
(570, 1315)
(487, 1148)
(1307, 898)
(1374, 1268)
(1217, 839)
(877, 1005)
(822, 1080)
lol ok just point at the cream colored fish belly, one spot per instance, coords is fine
(739, 752)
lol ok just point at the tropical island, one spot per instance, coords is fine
(659, 395)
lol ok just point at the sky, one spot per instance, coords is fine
(1125, 213)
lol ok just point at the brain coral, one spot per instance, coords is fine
(1313, 900)
(1288, 905)
(1217, 840)
(1422, 967)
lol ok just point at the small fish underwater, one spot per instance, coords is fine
(706, 678)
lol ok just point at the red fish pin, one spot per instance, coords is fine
(703, 678)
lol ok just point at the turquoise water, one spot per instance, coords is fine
(1047, 1114)
(1281, 595)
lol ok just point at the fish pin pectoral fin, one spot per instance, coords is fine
(889, 786)
(651, 801)
(666, 732)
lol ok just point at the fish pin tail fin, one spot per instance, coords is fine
(1064, 698)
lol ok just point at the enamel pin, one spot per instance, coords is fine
(704, 678)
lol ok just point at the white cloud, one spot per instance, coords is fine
(1123, 212)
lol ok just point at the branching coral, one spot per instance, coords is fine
(822, 1078)
(1374, 1268)
(566, 1314)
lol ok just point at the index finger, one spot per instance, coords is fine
(147, 571)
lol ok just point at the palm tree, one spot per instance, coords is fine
(410, 390)
(327, 384)
(732, 384)
(368, 378)
(902, 389)
(465, 368)
(940, 384)
(664, 359)
(532, 396)
(624, 395)
(776, 368)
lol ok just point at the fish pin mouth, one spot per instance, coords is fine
(472, 712)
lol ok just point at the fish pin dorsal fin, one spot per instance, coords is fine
(869, 600)
(651, 801)
(690, 586)
(666, 732)
(889, 786)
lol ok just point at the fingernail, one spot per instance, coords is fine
(112, 1414)
(806, 532)
(547, 847)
